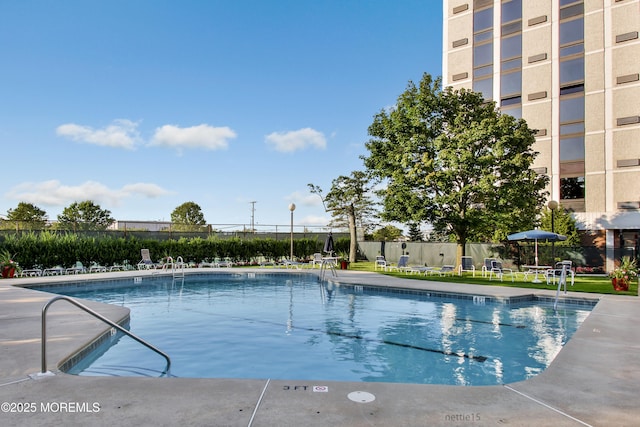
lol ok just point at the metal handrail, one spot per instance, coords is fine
(323, 268)
(98, 316)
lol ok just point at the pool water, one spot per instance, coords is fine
(291, 327)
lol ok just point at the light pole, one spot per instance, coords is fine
(553, 205)
(292, 207)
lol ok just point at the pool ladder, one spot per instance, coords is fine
(327, 263)
(97, 316)
(177, 266)
(562, 281)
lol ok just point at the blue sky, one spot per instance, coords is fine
(142, 105)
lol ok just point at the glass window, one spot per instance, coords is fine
(482, 55)
(512, 28)
(515, 111)
(511, 84)
(572, 128)
(510, 65)
(482, 20)
(482, 37)
(511, 10)
(510, 101)
(571, 31)
(568, 90)
(572, 110)
(572, 188)
(483, 71)
(485, 87)
(511, 47)
(573, 49)
(572, 71)
(576, 9)
(572, 149)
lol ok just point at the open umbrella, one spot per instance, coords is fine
(328, 245)
(534, 236)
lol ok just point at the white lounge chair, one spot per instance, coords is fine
(146, 263)
(402, 265)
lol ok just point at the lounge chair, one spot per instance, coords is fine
(97, 268)
(466, 264)
(78, 268)
(500, 271)
(402, 265)
(444, 270)
(146, 263)
(292, 264)
(420, 269)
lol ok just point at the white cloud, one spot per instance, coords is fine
(296, 140)
(120, 134)
(53, 193)
(304, 199)
(201, 136)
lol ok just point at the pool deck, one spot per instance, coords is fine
(594, 380)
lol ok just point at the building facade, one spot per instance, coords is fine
(571, 70)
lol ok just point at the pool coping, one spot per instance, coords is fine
(592, 381)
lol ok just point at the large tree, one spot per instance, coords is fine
(85, 215)
(27, 216)
(450, 158)
(350, 203)
(188, 217)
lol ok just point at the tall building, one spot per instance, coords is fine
(571, 70)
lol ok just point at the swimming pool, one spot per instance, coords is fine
(292, 327)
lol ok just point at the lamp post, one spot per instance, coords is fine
(553, 205)
(292, 207)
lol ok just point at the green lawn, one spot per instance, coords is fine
(590, 284)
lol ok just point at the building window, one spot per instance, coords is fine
(483, 49)
(511, 58)
(571, 155)
(572, 188)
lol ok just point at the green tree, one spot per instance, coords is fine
(85, 215)
(188, 217)
(449, 158)
(415, 234)
(388, 233)
(563, 223)
(27, 216)
(349, 202)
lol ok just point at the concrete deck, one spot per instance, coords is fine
(594, 380)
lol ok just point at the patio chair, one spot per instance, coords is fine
(556, 272)
(316, 260)
(486, 266)
(380, 262)
(146, 263)
(500, 271)
(466, 264)
(402, 265)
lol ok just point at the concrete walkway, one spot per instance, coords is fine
(594, 380)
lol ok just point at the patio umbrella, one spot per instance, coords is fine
(534, 236)
(328, 245)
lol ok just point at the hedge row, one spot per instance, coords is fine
(49, 249)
